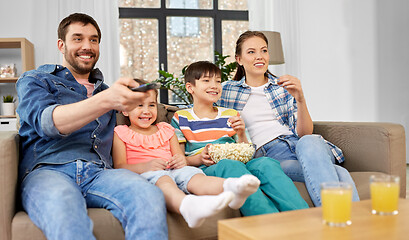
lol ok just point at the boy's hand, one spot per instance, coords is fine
(177, 161)
(205, 157)
(237, 124)
(155, 165)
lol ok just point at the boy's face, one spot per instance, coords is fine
(145, 112)
(206, 89)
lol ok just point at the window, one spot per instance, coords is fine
(170, 34)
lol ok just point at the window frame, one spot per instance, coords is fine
(162, 13)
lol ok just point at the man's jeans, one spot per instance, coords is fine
(56, 198)
(307, 159)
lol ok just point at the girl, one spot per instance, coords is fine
(153, 151)
(275, 112)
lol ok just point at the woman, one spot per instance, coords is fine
(276, 115)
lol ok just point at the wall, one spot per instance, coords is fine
(338, 59)
(393, 62)
(38, 22)
(354, 60)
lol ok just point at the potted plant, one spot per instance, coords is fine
(177, 85)
(8, 105)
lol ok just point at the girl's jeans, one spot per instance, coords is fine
(307, 159)
(56, 198)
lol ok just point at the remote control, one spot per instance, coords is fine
(146, 87)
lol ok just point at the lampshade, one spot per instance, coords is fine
(275, 48)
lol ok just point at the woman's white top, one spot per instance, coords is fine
(260, 119)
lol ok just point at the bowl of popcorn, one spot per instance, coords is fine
(242, 152)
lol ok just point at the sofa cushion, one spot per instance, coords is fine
(107, 227)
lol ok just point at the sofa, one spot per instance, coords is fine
(369, 148)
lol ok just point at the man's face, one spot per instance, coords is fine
(80, 49)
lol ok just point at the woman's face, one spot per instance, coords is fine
(254, 56)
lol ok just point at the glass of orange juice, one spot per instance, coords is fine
(384, 194)
(336, 200)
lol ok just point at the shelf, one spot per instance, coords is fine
(8, 80)
(27, 53)
(8, 116)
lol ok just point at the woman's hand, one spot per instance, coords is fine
(177, 161)
(304, 121)
(293, 86)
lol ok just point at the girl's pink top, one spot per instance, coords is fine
(143, 148)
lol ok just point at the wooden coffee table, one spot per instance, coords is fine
(307, 224)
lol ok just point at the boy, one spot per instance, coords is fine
(206, 124)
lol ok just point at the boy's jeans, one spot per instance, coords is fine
(56, 198)
(307, 159)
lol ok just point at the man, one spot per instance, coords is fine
(67, 117)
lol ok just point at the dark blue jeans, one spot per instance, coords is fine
(56, 198)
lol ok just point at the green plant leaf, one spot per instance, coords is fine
(8, 99)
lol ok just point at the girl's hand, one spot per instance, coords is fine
(155, 165)
(293, 86)
(177, 161)
(205, 157)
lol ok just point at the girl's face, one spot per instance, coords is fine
(254, 56)
(145, 113)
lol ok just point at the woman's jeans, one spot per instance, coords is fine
(276, 192)
(307, 159)
(56, 198)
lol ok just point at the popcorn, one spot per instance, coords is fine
(242, 152)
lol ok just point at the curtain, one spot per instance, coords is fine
(280, 16)
(41, 22)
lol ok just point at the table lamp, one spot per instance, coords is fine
(275, 48)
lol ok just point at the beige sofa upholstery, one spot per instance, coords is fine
(369, 148)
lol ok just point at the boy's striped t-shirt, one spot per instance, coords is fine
(197, 132)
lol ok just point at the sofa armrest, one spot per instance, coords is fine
(9, 147)
(368, 146)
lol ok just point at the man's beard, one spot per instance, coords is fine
(78, 68)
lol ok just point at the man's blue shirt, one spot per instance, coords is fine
(39, 92)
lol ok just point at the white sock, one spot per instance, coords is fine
(195, 209)
(242, 187)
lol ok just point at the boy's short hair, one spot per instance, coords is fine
(199, 69)
(74, 18)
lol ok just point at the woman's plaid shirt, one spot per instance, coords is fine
(236, 93)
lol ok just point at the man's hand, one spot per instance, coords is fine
(71, 117)
(121, 97)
